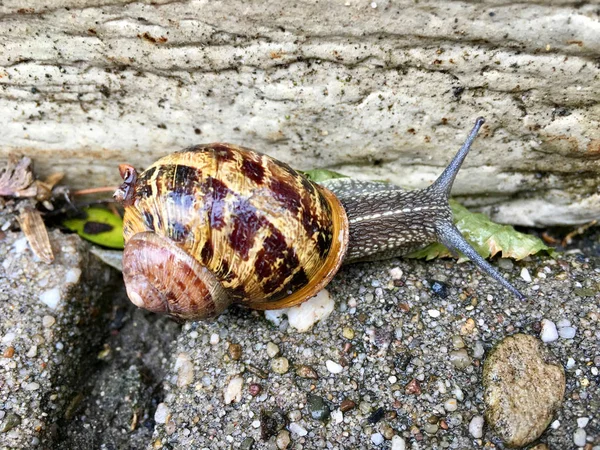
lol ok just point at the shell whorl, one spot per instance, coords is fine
(270, 236)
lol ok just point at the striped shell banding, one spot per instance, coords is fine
(219, 224)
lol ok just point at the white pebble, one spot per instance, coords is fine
(555, 425)
(458, 393)
(563, 323)
(433, 313)
(161, 414)
(256, 424)
(297, 429)
(567, 332)
(476, 427)
(478, 350)
(373, 5)
(333, 367)
(392, 379)
(377, 438)
(396, 273)
(398, 443)
(549, 332)
(185, 370)
(337, 416)
(20, 245)
(48, 321)
(50, 298)
(451, 405)
(31, 387)
(582, 422)
(570, 363)
(525, 275)
(305, 315)
(275, 316)
(272, 350)
(579, 437)
(233, 391)
(73, 275)
(8, 338)
(32, 352)
(214, 339)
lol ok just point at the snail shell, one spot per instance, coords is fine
(218, 223)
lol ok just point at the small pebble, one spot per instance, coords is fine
(458, 342)
(185, 370)
(460, 359)
(162, 411)
(582, 422)
(31, 386)
(579, 437)
(50, 298)
(48, 321)
(305, 371)
(458, 394)
(555, 425)
(377, 438)
(10, 421)
(348, 333)
(347, 405)
(254, 389)
(214, 339)
(337, 416)
(451, 405)
(476, 427)
(478, 350)
(433, 313)
(283, 439)
(563, 323)
(396, 273)
(570, 363)
(567, 332)
(305, 315)
(272, 350)
(280, 365)
(298, 429)
(235, 351)
(233, 391)
(398, 443)
(318, 408)
(549, 332)
(431, 428)
(525, 275)
(32, 352)
(333, 367)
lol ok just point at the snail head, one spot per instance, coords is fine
(126, 192)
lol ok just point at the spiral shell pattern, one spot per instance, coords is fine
(269, 235)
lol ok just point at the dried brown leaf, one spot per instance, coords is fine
(35, 231)
(16, 179)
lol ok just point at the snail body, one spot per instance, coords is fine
(218, 224)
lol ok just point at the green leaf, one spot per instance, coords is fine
(487, 237)
(318, 175)
(99, 226)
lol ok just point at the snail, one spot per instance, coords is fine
(218, 224)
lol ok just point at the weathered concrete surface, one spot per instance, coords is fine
(375, 89)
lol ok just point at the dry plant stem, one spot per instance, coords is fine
(98, 190)
(579, 230)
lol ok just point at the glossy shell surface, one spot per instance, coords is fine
(270, 236)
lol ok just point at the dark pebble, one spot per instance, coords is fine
(247, 444)
(271, 422)
(10, 421)
(440, 289)
(318, 408)
(376, 416)
(347, 405)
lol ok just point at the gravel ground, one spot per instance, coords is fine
(409, 360)
(397, 364)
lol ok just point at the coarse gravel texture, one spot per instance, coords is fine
(52, 315)
(410, 338)
(408, 370)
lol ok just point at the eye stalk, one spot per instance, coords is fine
(124, 195)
